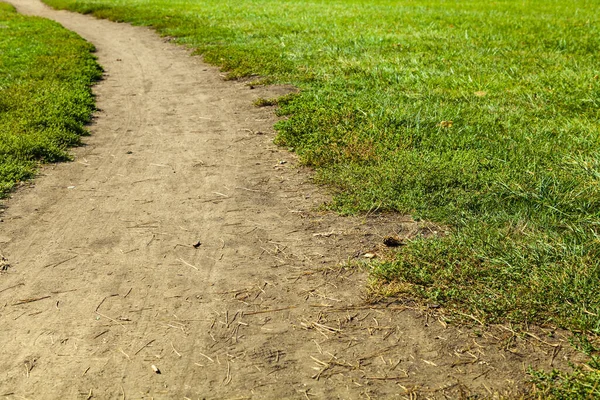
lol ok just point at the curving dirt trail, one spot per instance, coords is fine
(105, 282)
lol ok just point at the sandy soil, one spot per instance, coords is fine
(102, 281)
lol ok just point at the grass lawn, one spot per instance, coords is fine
(480, 116)
(45, 100)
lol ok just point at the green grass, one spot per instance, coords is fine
(582, 383)
(45, 100)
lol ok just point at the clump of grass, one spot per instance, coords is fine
(582, 383)
(262, 102)
(276, 101)
(45, 100)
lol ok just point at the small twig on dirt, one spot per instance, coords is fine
(233, 319)
(323, 363)
(112, 319)
(473, 361)
(236, 291)
(129, 291)
(234, 334)
(63, 291)
(129, 251)
(331, 364)
(385, 378)
(123, 392)
(261, 290)
(554, 353)
(144, 225)
(29, 365)
(143, 347)
(227, 379)
(387, 335)
(86, 370)
(541, 340)
(12, 287)
(151, 240)
(393, 367)
(176, 352)
(188, 264)
(328, 328)
(268, 311)
(176, 327)
(19, 316)
(207, 357)
(59, 263)
(100, 334)
(30, 300)
(161, 165)
(318, 346)
(126, 355)
(482, 374)
(110, 295)
(90, 395)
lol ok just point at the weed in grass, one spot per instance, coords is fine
(278, 101)
(261, 102)
(45, 100)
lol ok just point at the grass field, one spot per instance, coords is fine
(45, 100)
(479, 116)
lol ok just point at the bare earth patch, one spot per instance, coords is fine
(182, 241)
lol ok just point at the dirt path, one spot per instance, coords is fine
(105, 281)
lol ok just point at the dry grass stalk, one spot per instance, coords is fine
(188, 264)
(106, 297)
(326, 366)
(144, 346)
(227, 379)
(12, 287)
(30, 300)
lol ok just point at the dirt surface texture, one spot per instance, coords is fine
(182, 255)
